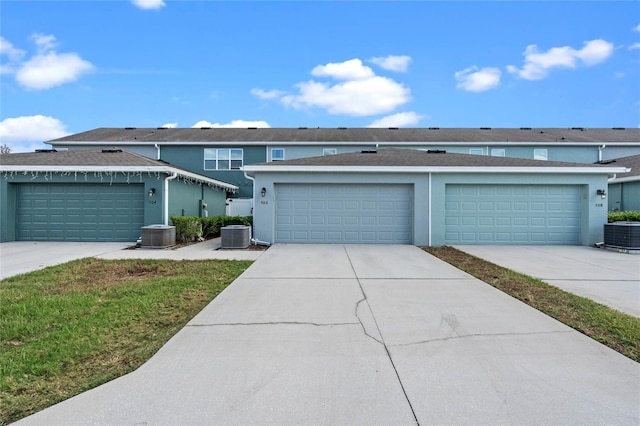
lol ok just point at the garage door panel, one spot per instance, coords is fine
(79, 212)
(533, 214)
(343, 213)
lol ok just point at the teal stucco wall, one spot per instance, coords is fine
(191, 157)
(182, 194)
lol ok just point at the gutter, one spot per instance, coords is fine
(166, 197)
(600, 149)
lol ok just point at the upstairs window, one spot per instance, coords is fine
(476, 151)
(223, 158)
(540, 154)
(329, 151)
(497, 152)
(277, 154)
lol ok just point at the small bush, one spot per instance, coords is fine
(628, 216)
(190, 228)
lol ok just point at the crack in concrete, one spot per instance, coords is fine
(316, 324)
(364, 329)
(466, 336)
(384, 345)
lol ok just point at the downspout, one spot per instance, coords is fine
(253, 201)
(429, 209)
(600, 149)
(166, 196)
(157, 151)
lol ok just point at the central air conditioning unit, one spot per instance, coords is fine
(235, 236)
(624, 235)
(158, 236)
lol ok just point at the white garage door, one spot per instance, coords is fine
(343, 213)
(512, 214)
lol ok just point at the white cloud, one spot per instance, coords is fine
(232, 124)
(358, 91)
(392, 63)
(537, 65)
(20, 133)
(270, 94)
(474, 79)
(170, 125)
(347, 70)
(637, 28)
(51, 69)
(47, 68)
(13, 54)
(45, 42)
(148, 4)
(634, 46)
(401, 119)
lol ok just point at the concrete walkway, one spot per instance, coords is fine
(605, 276)
(362, 335)
(19, 257)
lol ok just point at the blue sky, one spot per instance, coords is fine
(72, 66)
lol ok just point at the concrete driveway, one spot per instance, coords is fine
(606, 276)
(361, 334)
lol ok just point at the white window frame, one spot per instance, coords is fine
(476, 151)
(541, 154)
(329, 151)
(273, 158)
(223, 158)
(498, 152)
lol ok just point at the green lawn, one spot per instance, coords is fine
(69, 328)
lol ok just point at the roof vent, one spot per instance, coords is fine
(205, 127)
(393, 128)
(618, 128)
(129, 128)
(302, 128)
(342, 128)
(485, 128)
(525, 128)
(434, 128)
(162, 128)
(369, 151)
(252, 128)
(436, 151)
(46, 150)
(113, 150)
(578, 128)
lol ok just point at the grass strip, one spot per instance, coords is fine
(615, 329)
(71, 327)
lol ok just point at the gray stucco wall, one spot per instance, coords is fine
(429, 196)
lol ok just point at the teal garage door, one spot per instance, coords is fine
(343, 213)
(512, 214)
(79, 212)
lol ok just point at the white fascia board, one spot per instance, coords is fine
(625, 179)
(434, 169)
(116, 169)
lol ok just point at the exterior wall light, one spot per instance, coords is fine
(602, 193)
(152, 191)
(263, 192)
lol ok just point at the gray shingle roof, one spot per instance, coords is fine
(80, 157)
(373, 135)
(633, 162)
(98, 159)
(396, 157)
